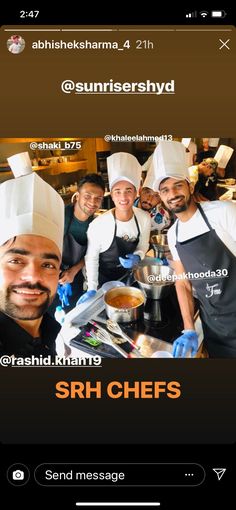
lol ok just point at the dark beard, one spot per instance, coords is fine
(181, 208)
(148, 208)
(27, 311)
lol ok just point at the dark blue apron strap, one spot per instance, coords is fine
(204, 216)
(114, 216)
(177, 229)
(137, 225)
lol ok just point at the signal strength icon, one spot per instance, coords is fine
(191, 14)
(203, 14)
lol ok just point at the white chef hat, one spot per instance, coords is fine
(213, 142)
(186, 142)
(223, 155)
(20, 164)
(169, 161)
(28, 205)
(147, 164)
(123, 166)
(150, 177)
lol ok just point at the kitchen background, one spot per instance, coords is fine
(64, 168)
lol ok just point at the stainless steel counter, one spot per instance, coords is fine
(159, 327)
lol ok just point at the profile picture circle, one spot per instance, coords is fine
(15, 44)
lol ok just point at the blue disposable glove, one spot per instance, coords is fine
(165, 262)
(130, 260)
(162, 262)
(85, 297)
(184, 343)
(68, 289)
(64, 291)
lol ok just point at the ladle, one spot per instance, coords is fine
(115, 328)
(103, 335)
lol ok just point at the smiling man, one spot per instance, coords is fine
(31, 237)
(202, 242)
(29, 268)
(119, 238)
(78, 216)
(150, 201)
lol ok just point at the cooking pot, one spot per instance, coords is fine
(159, 244)
(160, 239)
(155, 280)
(128, 313)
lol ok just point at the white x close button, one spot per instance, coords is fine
(224, 44)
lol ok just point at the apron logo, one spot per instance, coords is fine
(127, 238)
(212, 290)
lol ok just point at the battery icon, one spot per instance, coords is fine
(218, 14)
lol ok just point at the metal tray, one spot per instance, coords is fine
(149, 344)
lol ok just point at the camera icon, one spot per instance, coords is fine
(18, 475)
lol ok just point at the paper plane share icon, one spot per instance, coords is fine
(219, 472)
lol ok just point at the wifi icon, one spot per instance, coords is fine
(203, 14)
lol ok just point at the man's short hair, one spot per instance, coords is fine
(92, 179)
(11, 240)
(179, 179)
(146, 188)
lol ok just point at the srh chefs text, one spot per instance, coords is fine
(118, 389)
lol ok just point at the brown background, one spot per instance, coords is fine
(33, 104)
(204, 413)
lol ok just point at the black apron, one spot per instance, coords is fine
(216, 295)
(109, 264)
(73, 252)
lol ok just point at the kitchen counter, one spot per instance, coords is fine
(52, 169)
(162, 320)
(63, 167)
(227, 192)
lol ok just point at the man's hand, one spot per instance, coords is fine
(130, 260)
(184, 343)
(68, 276)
